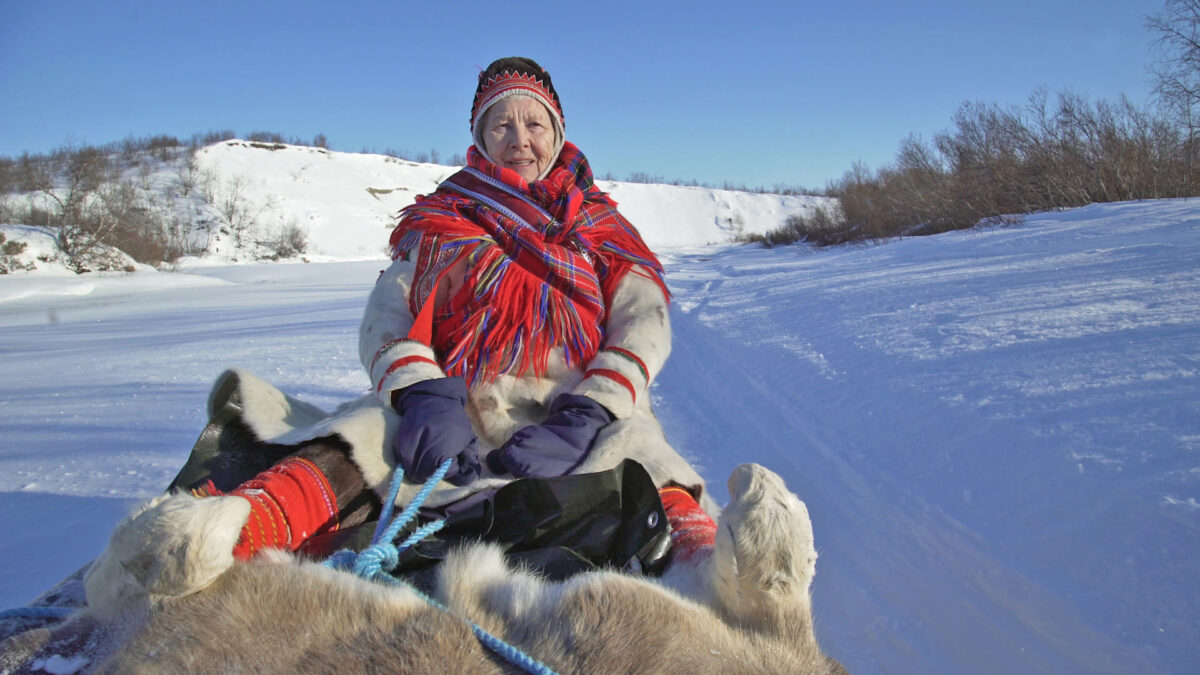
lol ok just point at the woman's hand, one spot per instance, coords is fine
(557, 445)
(433, 427)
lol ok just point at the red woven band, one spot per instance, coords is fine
(289, 503)
(693, 532)
(508, 81)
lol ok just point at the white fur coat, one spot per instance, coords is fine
(638, 322)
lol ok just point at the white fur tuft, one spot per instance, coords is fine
(172, 546)
(764, 556)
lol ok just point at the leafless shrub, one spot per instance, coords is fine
(140, 231)
(86, 202)
(163, 147)
(265, 137)
(184, 235)
(8, 176)
(289, 241)
(821, 228)
(239, 216)
(996, 161)
(200, 140)
(643, 177)
(10, 252)
(187, 175)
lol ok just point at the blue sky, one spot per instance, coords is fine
(755, 93)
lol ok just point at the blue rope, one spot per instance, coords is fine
(511, 653)
(381, 557)
(37, 613)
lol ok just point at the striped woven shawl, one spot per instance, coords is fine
(542, 259)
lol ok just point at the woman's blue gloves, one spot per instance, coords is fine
(433, 427)
(557, 445)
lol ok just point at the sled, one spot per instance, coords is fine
(557, 527)
(744, 607)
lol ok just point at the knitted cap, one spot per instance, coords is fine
(515, 76)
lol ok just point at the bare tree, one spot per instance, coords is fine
(1176, 74)
(236, 211)
(240, 217)
(87, 202)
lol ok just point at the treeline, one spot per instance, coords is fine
(996, 161)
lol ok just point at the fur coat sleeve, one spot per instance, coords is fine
(636, 345)
(392, 360)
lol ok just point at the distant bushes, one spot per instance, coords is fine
(995, 162)
(822, 228)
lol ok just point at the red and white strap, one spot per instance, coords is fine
(693, 532)
(407, 360)
(616, 378)
(289, 503)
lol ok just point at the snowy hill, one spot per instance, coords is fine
(235, 195)
(347, 202)
(996, 431)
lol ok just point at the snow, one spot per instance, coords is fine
(59, 665)
(997, 432)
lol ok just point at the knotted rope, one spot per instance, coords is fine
(381, 557)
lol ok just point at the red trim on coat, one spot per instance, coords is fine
(400, 363)
(615, 377)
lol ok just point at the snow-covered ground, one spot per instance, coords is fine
(997, 432)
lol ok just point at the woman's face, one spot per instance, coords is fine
(519, 135)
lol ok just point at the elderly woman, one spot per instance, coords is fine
(516, 333)
(545, 303)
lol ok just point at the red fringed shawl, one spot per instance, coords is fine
(543, 258)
